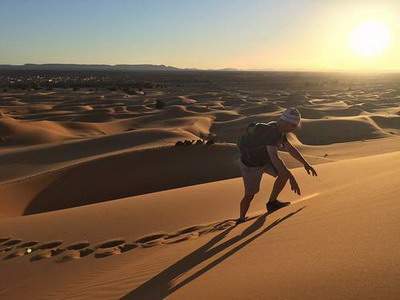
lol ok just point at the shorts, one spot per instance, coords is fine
(252, 176)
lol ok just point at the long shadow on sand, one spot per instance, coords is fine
(161, 285)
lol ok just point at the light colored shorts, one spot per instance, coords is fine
(252, 176)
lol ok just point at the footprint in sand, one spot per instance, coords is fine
(47, 245)
(172, 239)
(6, 249)
(8, 244)
(178, 236)
(151, 240)
(225, 225)
(111, 247)
(128, 246)
(27, 244)
(78, 246)
(76, 251)
(100, 253)
(16, 253)
(189, 233)
(108, 248)
(47, 254)
(86, 252)
(47, 250)
(2, 240)
(197, 228)
(22, 249)
(110, 244)
(69, 255)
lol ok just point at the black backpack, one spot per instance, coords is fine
(252, 144)
(253, 138)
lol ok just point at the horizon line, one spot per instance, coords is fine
(228, 69)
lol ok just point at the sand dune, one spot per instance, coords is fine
(314, 113)
(36, 159)
(97, 201)
(338, 130)
(194, 246)
(388, 122)
(87, 177)
(91, 181)
(262, 108)
(231, 121)
(24, 133)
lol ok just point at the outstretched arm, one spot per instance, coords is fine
(297, 155)
(294, 152)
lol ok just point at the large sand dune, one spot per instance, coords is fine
(337, 240)
(97, 201)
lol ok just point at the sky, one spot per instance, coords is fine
(207, 34)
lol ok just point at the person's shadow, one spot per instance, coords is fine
(161, 285)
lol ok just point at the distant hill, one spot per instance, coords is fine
(228, 70)
(96, 67)
(80, 67)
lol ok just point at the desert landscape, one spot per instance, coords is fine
(112, 191)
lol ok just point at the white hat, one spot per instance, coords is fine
(291, 115)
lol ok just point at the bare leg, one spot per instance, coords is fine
(244, 205)
(279, 184)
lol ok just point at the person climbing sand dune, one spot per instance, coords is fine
(259, 154)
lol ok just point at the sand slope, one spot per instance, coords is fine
(340, 242)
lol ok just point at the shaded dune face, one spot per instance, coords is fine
(338, 130)
(388, 122)
(118, 176)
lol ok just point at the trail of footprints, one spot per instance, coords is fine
(12, 248)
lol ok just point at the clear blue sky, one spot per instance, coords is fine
(187, 33)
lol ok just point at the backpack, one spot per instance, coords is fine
(252, 143)
(253, 137)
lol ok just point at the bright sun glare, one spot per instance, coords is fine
(370, 38)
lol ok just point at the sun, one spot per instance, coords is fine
(370, 38)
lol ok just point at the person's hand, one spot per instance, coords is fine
(293, 185)
(310, 170)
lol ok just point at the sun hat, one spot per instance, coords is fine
(291, 115)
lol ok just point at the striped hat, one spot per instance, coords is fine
(291, 115)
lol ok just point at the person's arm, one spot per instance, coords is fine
(283, 171)
(294, 152)
(297, 155)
